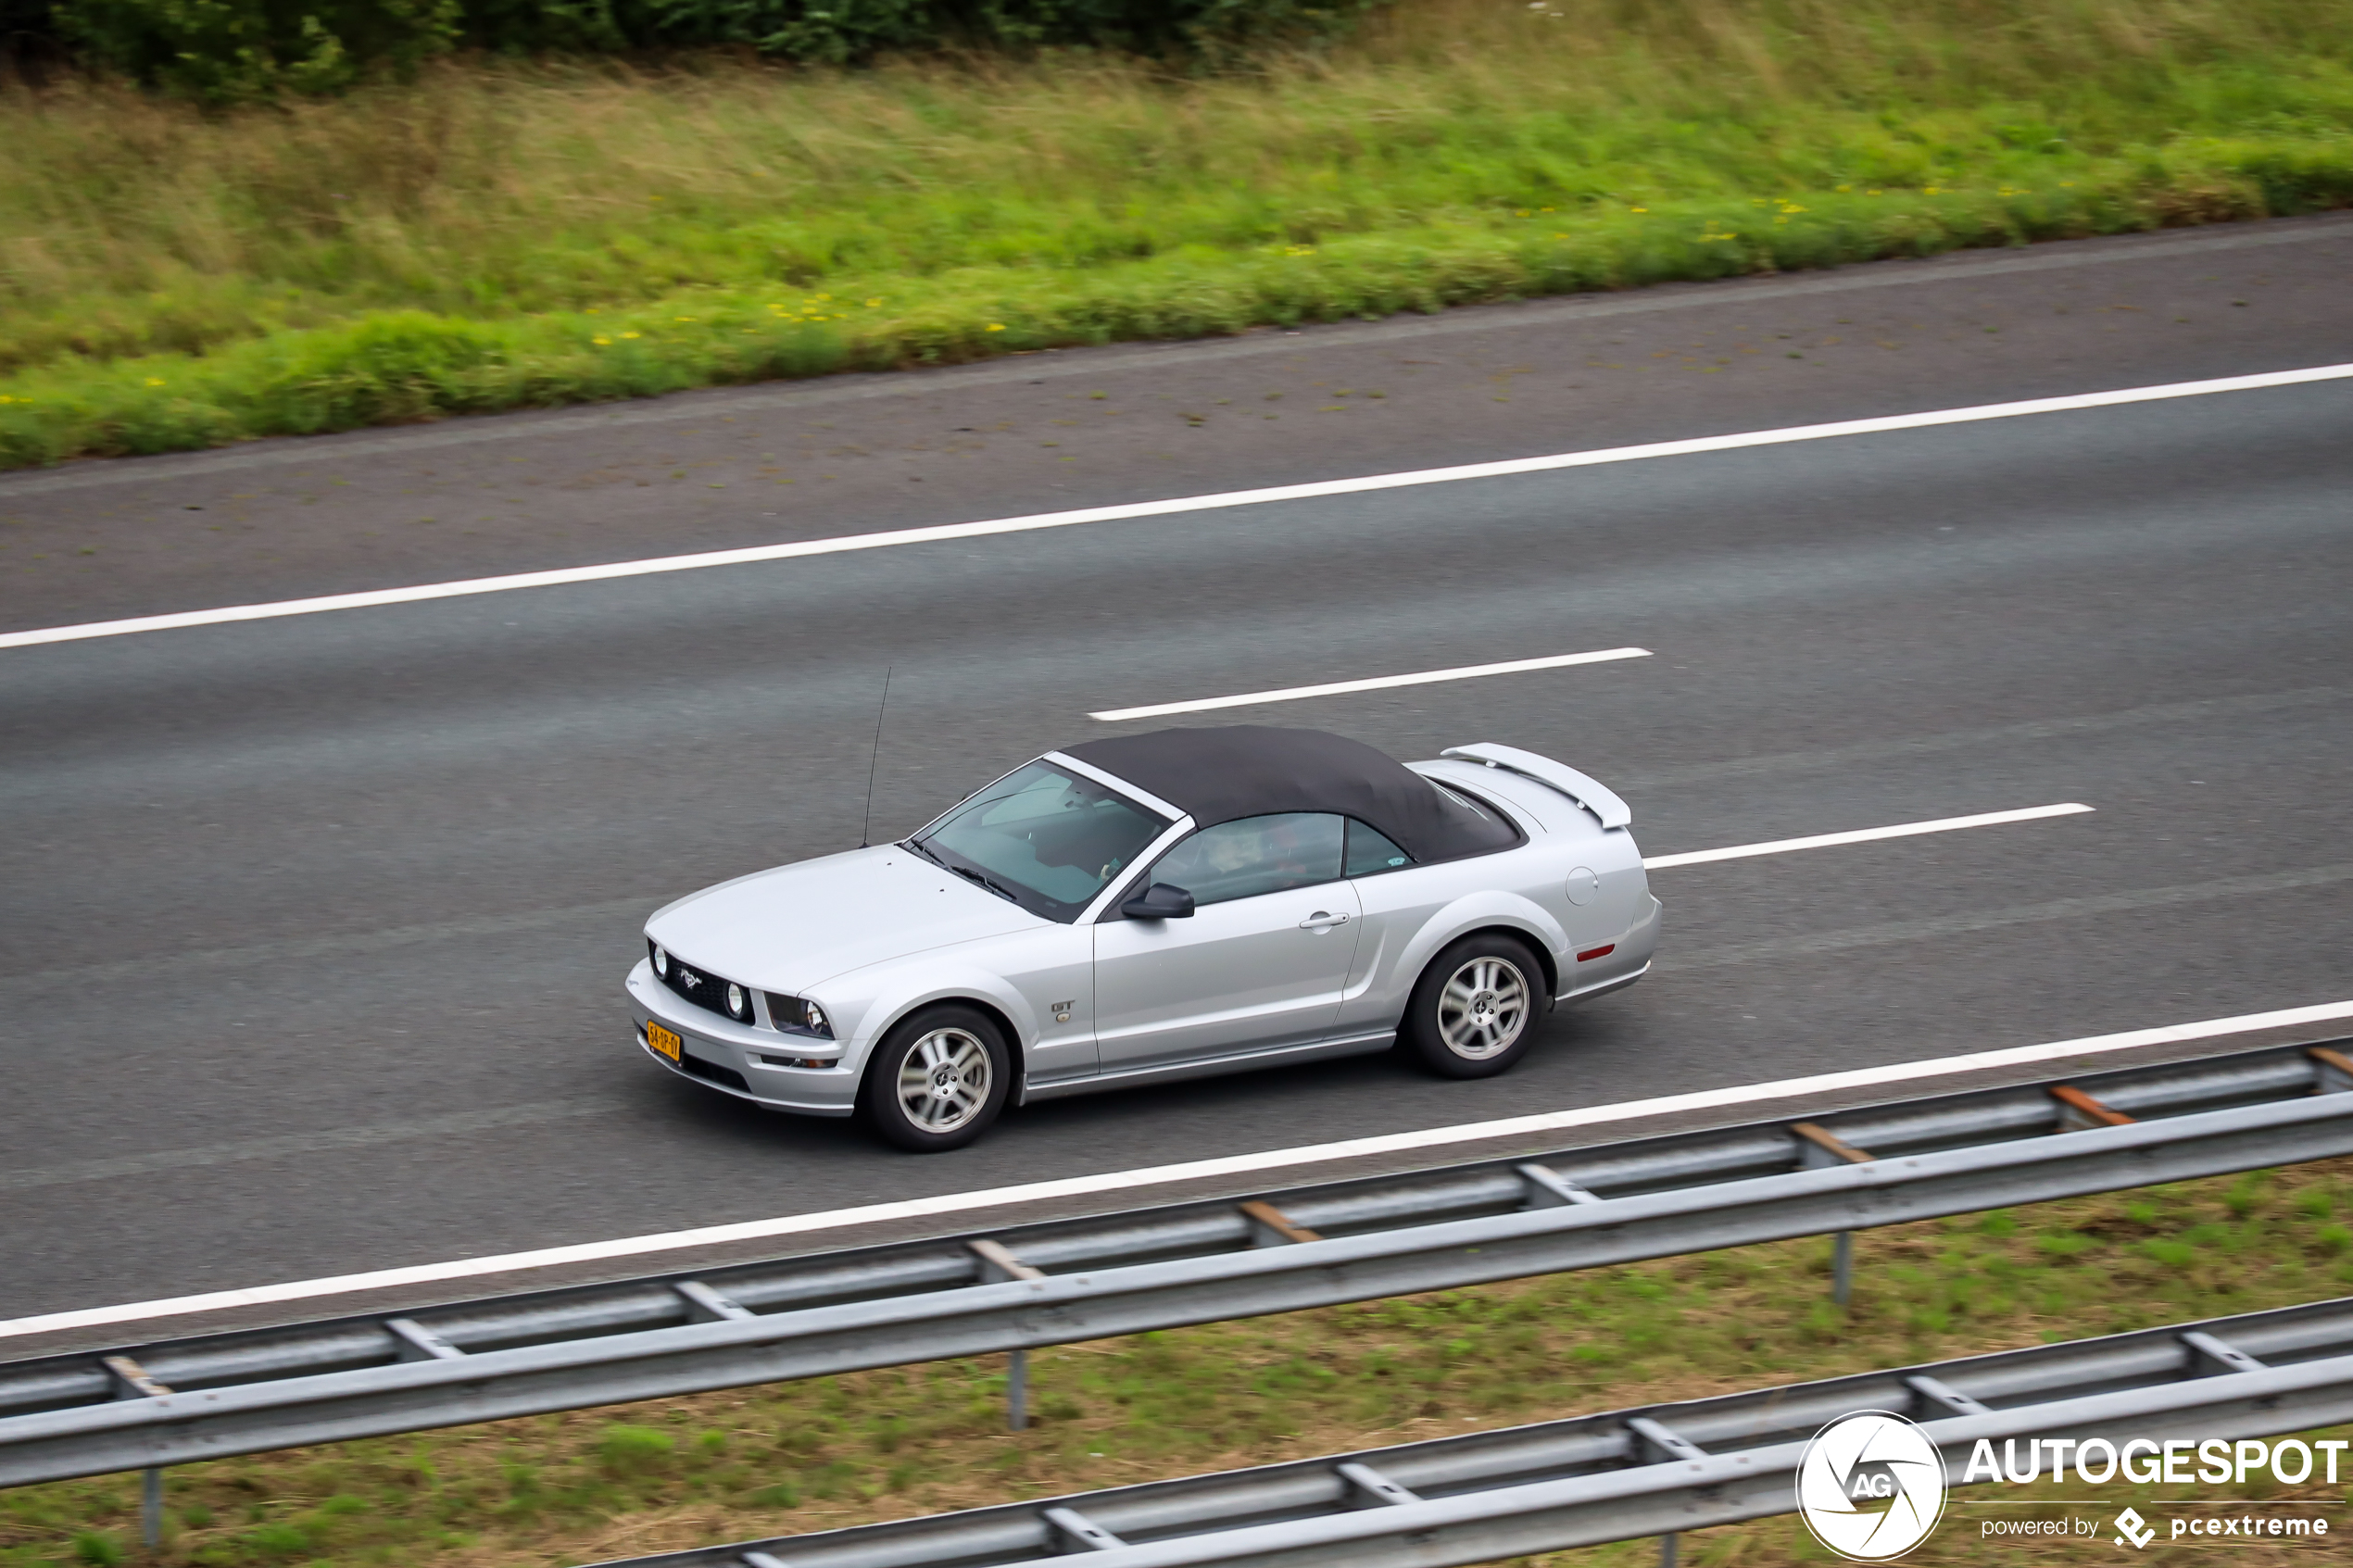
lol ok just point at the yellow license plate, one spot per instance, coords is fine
(663, 1040)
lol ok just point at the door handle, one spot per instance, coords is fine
(1322, 921)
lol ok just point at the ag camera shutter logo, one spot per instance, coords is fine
(1870, 1486)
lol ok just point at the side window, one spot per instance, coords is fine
(1370, 852)
(1242, 860)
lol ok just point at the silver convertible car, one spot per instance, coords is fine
(1155, 906)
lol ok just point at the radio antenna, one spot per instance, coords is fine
(867, 825)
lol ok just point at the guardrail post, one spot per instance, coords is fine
(131, 1382)
(1650, 1441)
(1820, 1148)
(998, 1263)
(151, 1506)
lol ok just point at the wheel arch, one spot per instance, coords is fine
(1526, 938)
(1504, 913)
(968, 995)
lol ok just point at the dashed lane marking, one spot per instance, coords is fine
(1377, 682)
(1864, 835)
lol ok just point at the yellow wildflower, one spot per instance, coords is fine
(154, 380)
(996, 326)
(601, 342)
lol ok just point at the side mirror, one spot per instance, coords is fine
(1160, 901)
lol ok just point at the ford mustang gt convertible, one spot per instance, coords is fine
(1155, 906)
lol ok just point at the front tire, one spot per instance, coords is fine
(938, 1080)
(1473, 1013)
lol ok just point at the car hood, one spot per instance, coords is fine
(788, 929)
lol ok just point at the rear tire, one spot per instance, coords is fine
(938, 1080)
(1473, 1013)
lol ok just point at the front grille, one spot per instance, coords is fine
(713, 1071)
(706, 991)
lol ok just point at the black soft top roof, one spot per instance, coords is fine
(1252, 771)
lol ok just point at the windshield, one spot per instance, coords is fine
(1044, 837)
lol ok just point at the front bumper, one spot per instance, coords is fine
(734, 1058)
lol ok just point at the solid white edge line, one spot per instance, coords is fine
(1188, 1170)
(1182, 504)
(1377, 682)
(1864, 835)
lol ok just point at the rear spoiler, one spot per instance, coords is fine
(1596, 797)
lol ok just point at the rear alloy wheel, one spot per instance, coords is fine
(1473, 1013)
(938, 1080)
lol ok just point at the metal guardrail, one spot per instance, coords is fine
(1655, 1471)
(214, 1395)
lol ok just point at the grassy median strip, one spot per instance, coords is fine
(506, 236)
(812, 1456)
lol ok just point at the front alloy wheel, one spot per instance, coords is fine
(944, 1081)
(1473, 1013)
(939, 1080)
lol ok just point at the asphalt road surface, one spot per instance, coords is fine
(315, 927)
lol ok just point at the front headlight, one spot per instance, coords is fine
(797, 1015)
(661, 960)
(738, 1004)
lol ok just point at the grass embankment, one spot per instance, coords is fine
(813, 1456)
(503, 236)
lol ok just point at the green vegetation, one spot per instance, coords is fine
(245, 51)
(797, 1457)
(501, 235)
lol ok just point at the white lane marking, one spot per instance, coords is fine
(1179, 504)
(1188, 1170)
(1864, 835)
(1334, 688)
